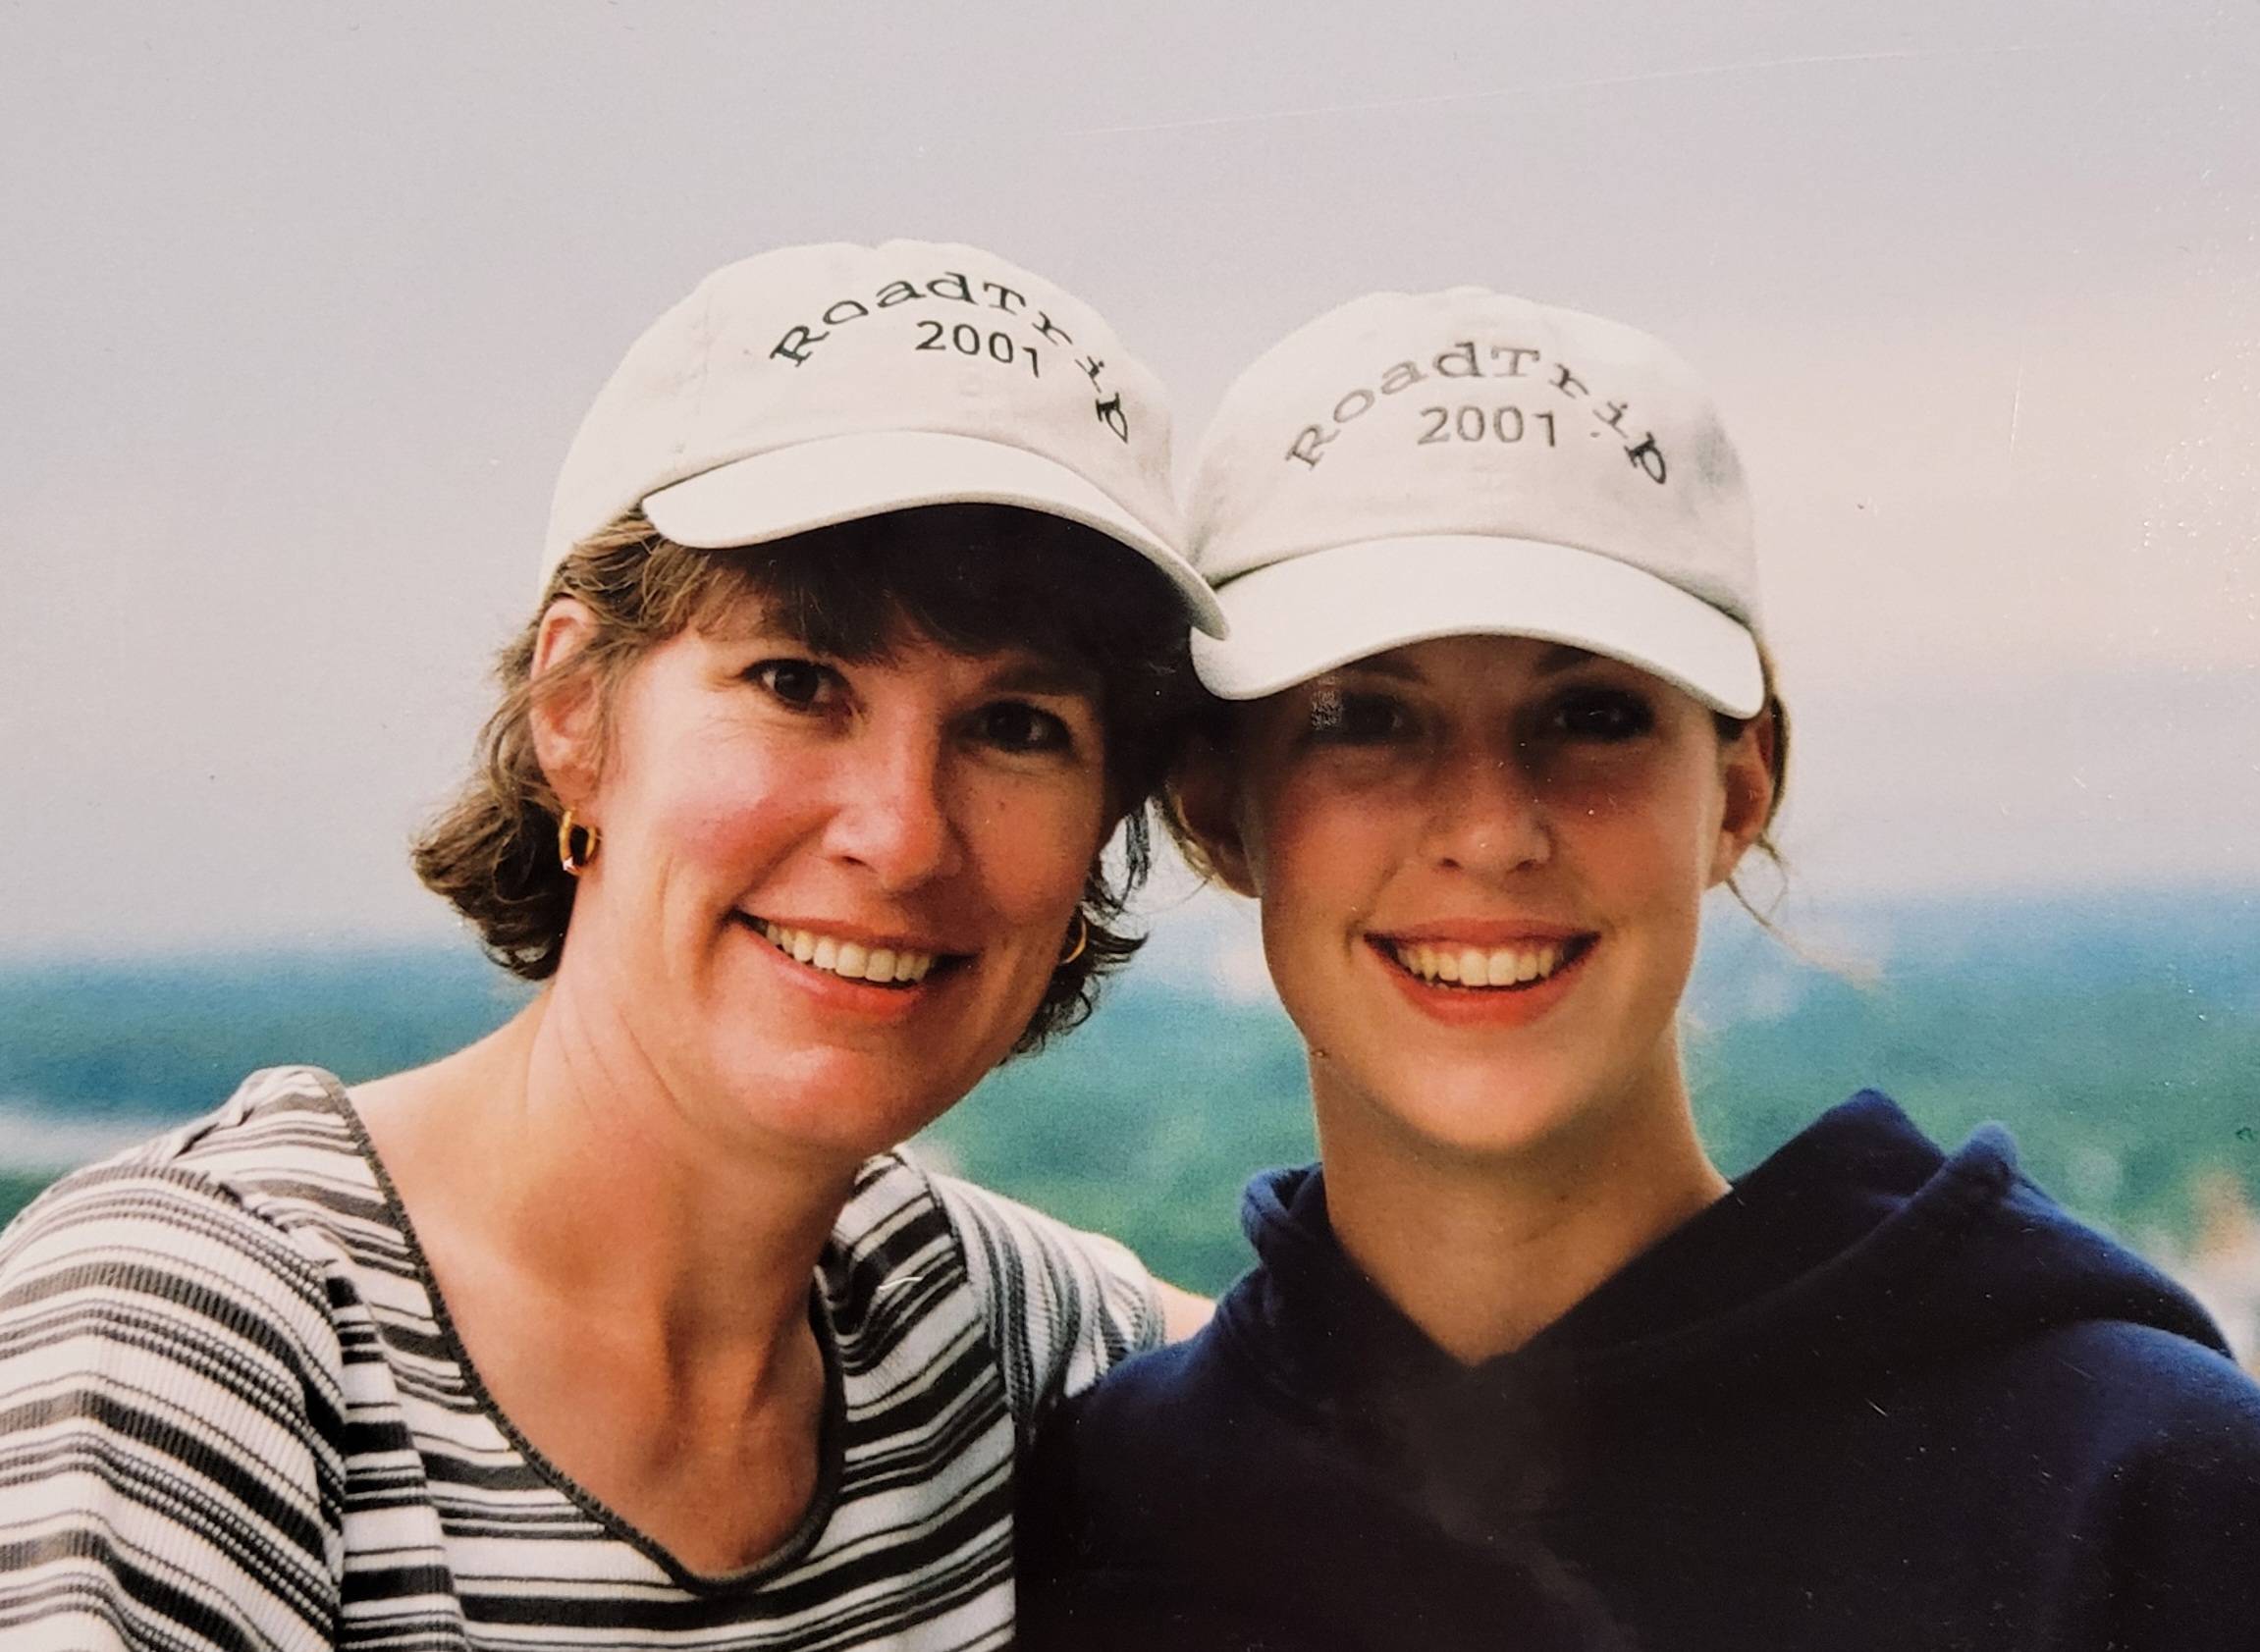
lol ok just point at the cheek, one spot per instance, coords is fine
(1035, 847)
(1661, 802)
(717, 829)
(1317, 855)
(717, 809)
(1647, 853)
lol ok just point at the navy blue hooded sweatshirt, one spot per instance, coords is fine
(1873, 1398)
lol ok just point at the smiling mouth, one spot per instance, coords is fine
(1484, 969)
(900, 968)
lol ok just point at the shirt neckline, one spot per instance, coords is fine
(831, 1444)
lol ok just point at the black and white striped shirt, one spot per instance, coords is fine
(232, 1414)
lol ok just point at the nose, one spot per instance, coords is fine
(895, 816)
(1486, 815)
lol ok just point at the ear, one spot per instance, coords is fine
(567, 730)
(1204, 796)
(1746, 772)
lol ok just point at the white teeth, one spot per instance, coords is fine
(1473, 966)
(849, 959)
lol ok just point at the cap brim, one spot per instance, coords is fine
(1310, 614)
(816, 484)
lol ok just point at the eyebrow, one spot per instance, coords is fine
(1558, 657)
(1037, 675)
(1377, 666)
(1564, 656)
(1028, 674)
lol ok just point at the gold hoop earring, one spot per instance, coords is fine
(574, 863)
(1082, 941)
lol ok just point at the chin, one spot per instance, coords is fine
(836, 1102)
(1480, 1114)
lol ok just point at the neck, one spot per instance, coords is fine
(549, 1156)
(629, 1270)
(1482, 1251)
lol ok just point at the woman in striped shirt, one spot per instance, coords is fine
(625, 1327)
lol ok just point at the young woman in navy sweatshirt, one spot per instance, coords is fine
(1517, 1367)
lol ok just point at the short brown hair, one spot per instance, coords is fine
(974, 578)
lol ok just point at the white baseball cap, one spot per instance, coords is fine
(1410, 466)
(815, 385)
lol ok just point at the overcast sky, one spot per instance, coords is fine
(302, 303)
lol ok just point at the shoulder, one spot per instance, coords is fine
(2180, 1407)
(1013, 1250)
(2170, 1449)
(1004, 1234)
(2147, 1429)
(1058, 1305)
(172, 1380)
(226, 1224)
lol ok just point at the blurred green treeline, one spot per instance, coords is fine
(2117, 1036)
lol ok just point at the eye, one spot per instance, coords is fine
(1014, 725)
(1355, 718)
(1604, 714)
(803, 686)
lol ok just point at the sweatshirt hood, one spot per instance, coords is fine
(1858, 1247)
